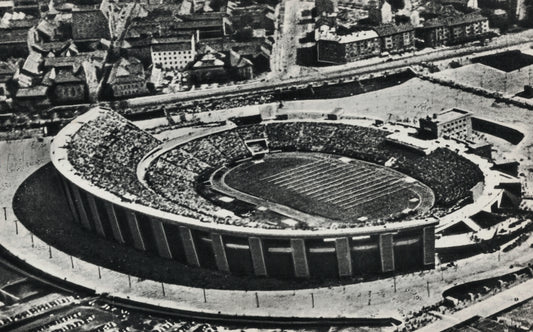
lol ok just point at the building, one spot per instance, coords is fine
(173, 53)
(454, 122)
(220, 67)
(90, 24)
(326, 8)
(231, 249)
(454, 30)
(206, 25)
(127, 79)
(254, 16)
(7, 70)
(31, 98)
(90, 63)
(31, 71)
(69, 87)
(396, 38)
(14, 29)
(335, 49)
(29, 7)
(163, 23)
(257, 50)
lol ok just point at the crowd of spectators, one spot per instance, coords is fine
(250, 132)
(448, 174)
(223, 103)
(230, 144)
(107, 149)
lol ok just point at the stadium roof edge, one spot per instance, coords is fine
(59, 157)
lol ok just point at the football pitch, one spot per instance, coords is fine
(343, 190)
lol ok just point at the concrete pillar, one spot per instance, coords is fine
(161, 240)
(258, 256)
(386, 251)
(190, 247)
(299, 258)
(70, 200)
(344, 256)
(113, 220)
(428, 241)
(133, 223)
(96, 217)
(81, 209)
(220, 252)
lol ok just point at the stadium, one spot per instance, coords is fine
(283, 199)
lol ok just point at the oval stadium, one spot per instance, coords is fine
(285, 199)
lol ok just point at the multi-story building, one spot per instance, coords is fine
(173, 53)
(14, 28)
(453, 122)
(69, 87)
(254, 16)
(453, 30)
(220, 67)
(335, 49)
(127, 79)
(163, 23)
(396, 38)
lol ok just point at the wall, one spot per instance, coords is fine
(405, 249)
(509, 134)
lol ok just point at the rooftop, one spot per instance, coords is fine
(33, 92)
(67, 76)
(451, 115)
(126, 70)
(74, 61)
(97, 29)
(392, 29)
(326, 7)
(455, 20)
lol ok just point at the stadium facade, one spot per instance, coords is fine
(283, 253)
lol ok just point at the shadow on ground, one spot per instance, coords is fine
(39, 204)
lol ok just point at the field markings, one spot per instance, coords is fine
(380, 195)
(295, 174)
(386, 189)
(350, 183)
(340, 184)
(357, 194)
(315, 188)
(301, 174)
(356, 186)
(366, 195)
(315, 180)
(289, 170)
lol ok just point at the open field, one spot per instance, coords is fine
(316, 184)
(489, 78)
(417, 98)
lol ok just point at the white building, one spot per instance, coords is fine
(173, 53)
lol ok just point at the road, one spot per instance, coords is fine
(329, 74)
(487, 308)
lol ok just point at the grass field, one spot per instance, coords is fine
(331, 188)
